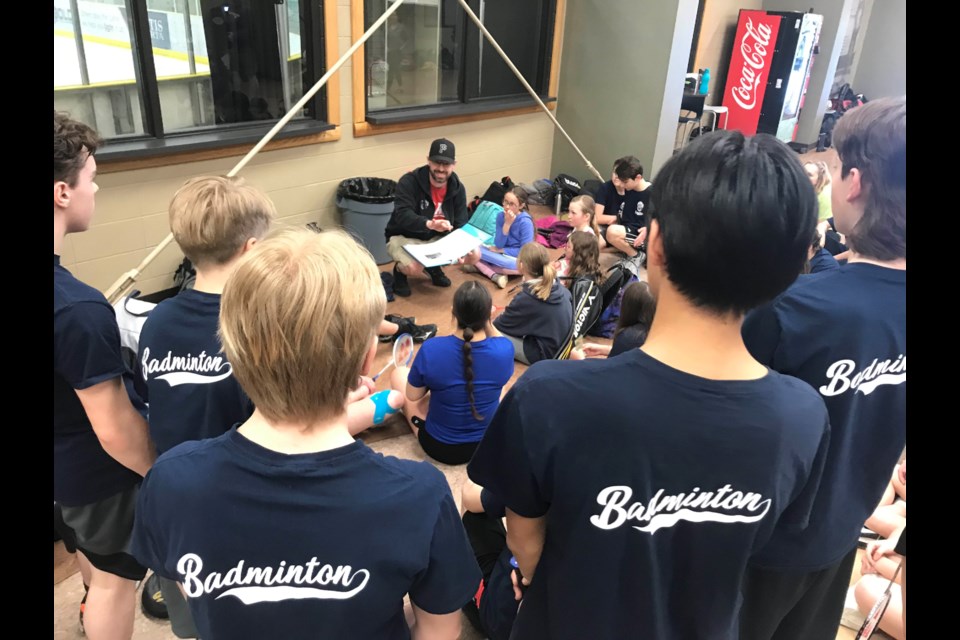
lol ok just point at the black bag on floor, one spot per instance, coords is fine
(590, 188)
(567, 187)
(494, 193)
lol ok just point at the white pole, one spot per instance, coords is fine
(124, 284)
(527, 86)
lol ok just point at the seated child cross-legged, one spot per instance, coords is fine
(454, 386)
(287, 524)
(636, 316)
(539, 318)
(581, 259)
(515, 228)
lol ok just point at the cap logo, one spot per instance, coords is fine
(443, 148)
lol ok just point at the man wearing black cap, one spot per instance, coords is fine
(430, 201)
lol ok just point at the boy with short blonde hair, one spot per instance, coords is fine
(189, 381)
(302, 516)
(212, 217)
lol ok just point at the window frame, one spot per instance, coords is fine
(440, 114)
(147, 151)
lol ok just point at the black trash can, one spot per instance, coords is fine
(366, 205)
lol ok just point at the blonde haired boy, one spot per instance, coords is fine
(191, 388)
(286, 525)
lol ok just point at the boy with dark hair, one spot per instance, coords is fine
(636, 518)
(286, 526)
(621, 204)
(843, 332)
(101, 447)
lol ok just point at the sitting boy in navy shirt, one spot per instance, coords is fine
(844, 333)
(101, 446)
(635, 518)
(286, 526)
(621, 205)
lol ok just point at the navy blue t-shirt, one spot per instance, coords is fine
(657, 487)
(630, 208)
(439, 367)
(190, 385)
(823, 261)
(844, 332)
(325, 544)
(631, 337)
(86, 352)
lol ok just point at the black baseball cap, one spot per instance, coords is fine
(442, 150)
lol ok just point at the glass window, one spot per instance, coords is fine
(94, 70)
(430, 52)
(414, 59)
(160, 67)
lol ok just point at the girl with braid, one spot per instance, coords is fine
(453, 387)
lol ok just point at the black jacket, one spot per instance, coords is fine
(543, 324)
(413, 206)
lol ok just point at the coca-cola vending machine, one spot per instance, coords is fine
(769, 71)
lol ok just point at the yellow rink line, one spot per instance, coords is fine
(166, 53)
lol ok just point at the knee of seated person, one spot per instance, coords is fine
(412, 269)
(867, 590)
(396, 399)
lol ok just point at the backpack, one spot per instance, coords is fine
(590, 188)
(494, 193)
(545, 193)
(555, 236)
(587, 305)
(185, 275)
(566, 187)
(485, 219)
(619, 276)
(131, 314)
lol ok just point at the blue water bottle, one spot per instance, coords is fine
(704, 81)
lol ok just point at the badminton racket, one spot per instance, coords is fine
(872, 620)
(402, 353)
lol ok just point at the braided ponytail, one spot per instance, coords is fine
(468, 370)
(471, 308)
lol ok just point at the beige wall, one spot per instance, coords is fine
(882, 68)
(131, 206)
(717, 31)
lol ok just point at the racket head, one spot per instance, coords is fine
(403, 350)
(872, 621)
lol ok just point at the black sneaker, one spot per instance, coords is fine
(423, 332)
(419, 332)
(400, 285)
(151, 599)
(438, 277)
(397, 320)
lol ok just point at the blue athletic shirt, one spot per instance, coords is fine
(190, 385)
(315, 545)
(86, 352)
(657, 487)
(844, 332)
(438, 366)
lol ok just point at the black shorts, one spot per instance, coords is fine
(440, 451)
(102, 531)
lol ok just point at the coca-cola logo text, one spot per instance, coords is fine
(753, 47)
